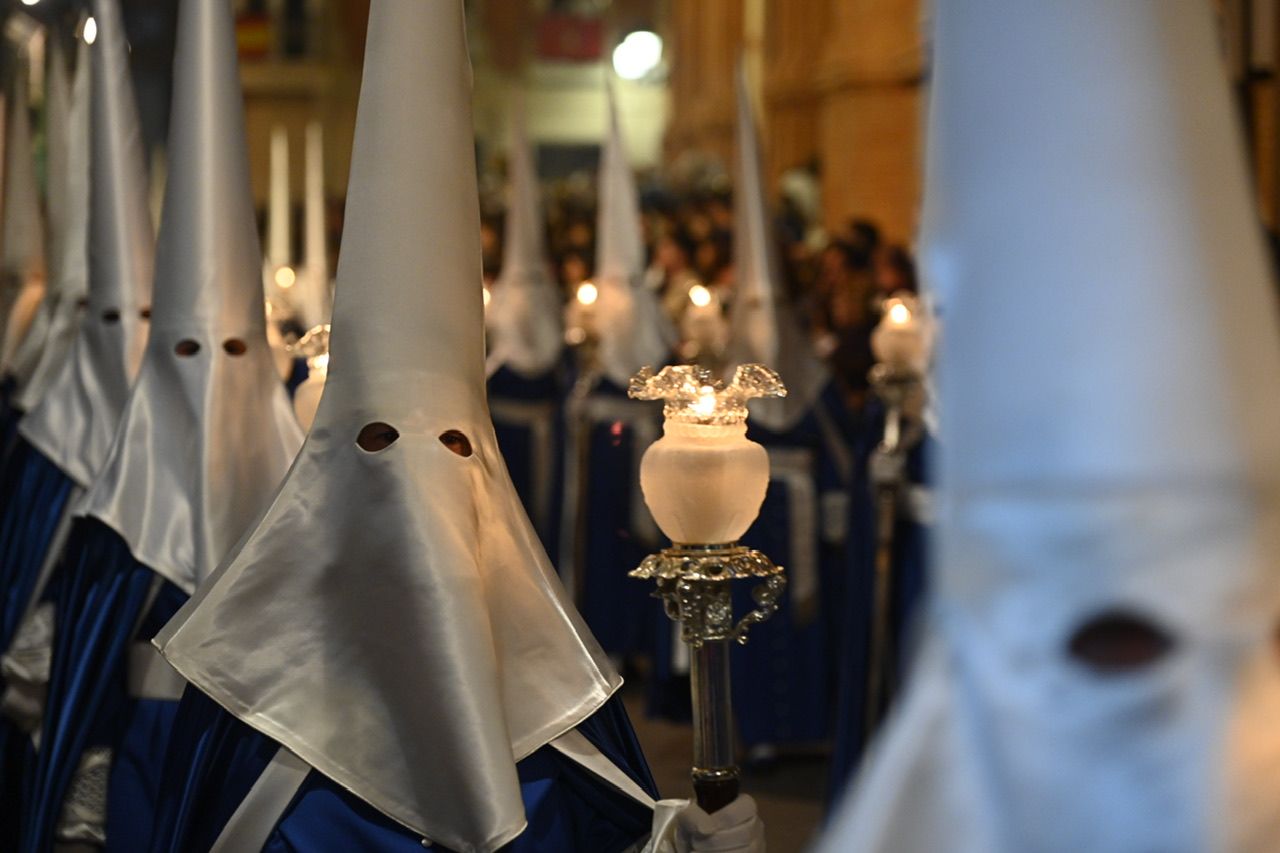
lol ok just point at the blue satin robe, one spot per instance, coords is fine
(782, 677)
(620, 610)
(100, 592)
(909, 567)
(214, 759)
(520, 447)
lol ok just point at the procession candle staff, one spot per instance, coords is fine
(900, 343)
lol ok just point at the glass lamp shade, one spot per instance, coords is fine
(306, 399)
(901, 338)
(704, 480)
(704, 483)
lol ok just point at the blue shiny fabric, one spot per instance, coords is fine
(214, 759)
(100, 593)
(909, 577)
(619, 610)
(298, 373)
(517, 442)
(782, 677)
(33, 493)
(134, 791)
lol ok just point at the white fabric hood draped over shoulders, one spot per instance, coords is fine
(1110, 457)
(393, 620)
(74, 423)
(208, 431)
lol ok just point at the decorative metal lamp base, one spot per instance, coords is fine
(694, 583)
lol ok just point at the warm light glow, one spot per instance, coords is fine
(705, 405)
(487, 296)
(30, 2)
(637, 55)
(90, 32)
(285, 277)
(588, 293)
(899, 314)
(700, 296)
(319, 363)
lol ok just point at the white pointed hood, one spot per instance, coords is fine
(22, 268)
(208, 430)
(1110, 462)
(524, 317)
(68, 181)
(420, 642)
(313, 281)
(74, 423)
(762, 327)
(633, 330)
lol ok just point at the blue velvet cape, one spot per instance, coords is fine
(214, 759)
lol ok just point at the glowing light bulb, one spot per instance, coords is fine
(899, 314)
(285, 277)
(637, 55)
(588, 293)
(90, 32)
(700, 296)
(705, 405)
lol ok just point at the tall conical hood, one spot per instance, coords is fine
(524, 312)
(1103, 673)
(68, 285)
(22, 265)
(388, 565)
(208, 430)
(74, 423)
(633, 330)
(762, 327)
(314, 280)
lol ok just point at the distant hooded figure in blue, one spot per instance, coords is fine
(388, 661)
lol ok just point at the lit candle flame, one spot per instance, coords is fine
(899, 314)
(705, 405)
(90, 32)
(700, 296)
(487, 297)
(588, 293)
(285, 277)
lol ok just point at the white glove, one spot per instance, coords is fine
(681, 827)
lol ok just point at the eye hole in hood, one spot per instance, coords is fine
(377, 436)
(1118, 642)
(111, 315)
(457, 441)
(186, 347)
(234, 346)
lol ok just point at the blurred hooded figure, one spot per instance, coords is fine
(604, 522)
(526, 346)
(43, 351)
(203, 441)
(22, 268)
(388, 661)
(1102, 670)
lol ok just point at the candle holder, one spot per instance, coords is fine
(704, 482)
(901, 343)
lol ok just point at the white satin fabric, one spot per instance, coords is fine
(634, 332)
(393, 619)
(524, 318)
(22, 269)
(1110, 367)
(64, 300)
(205, 438)
(762, 326)
(74, 424)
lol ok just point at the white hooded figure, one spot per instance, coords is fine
(1101, 673)
(763, 329)
(632, 329)
(22, 267)
(44, 350)
(75, 421)
(208, 430)
(393, 620)
(523, 315)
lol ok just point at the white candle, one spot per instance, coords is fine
(278, 200)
